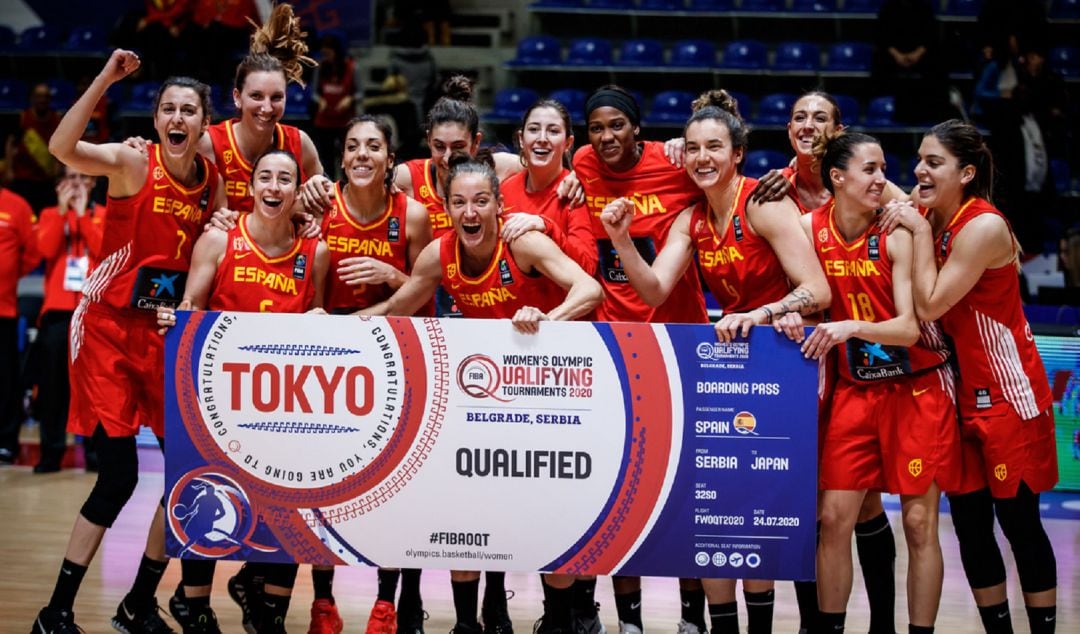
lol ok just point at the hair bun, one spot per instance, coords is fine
(721, 99)
(459, 88)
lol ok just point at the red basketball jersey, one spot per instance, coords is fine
(382, 239)
(569, 226)
(789, 173)
(500, 290)
(155, 228)
(248, 280)
(236, 170)
(860, 278)
(659, 191)
(424, 177)
(740, 268)
(999, 364)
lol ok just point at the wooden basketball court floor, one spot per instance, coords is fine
(38, 511)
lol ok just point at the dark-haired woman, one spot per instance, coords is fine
(966, 276)
(615, 165)
(548, 286)
(891, 421)
(268, 234)
(531, 200)
(755, 259)
(158, 202)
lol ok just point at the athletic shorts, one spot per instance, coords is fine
(896, 436)
(1001, 451)
(117, 372)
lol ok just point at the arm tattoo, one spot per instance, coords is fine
(801, 301)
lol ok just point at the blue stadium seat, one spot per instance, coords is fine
(12, 94)
(297, 99)
(7, 38)
(589, 51)
(1059, 171)
(661, 5)
(1065, 9)
(880, 112)
(962, 7)
(538, 50)
(749, 54)
(813, 6)
(762, 5)
(862, 6)
(511, 103)
(850, 56)
(62, 93)
(775, 109)
(745, 105)
(758, 162)
(641, 52)
(574, 100)
(87, 39)
(796, 56)
(711, 5)
(611, 4)
(39, 38)
(850, 111)
(696, 53)
(141, 98)
(1065, 60)
(222, 100)
(671, 106)
(898, 171)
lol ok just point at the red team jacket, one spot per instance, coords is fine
(383, 240)
(659, 191)
(234, 168)
(999, 365)
(860, 277)
(249, 280)
(740, 269)
(501, 290)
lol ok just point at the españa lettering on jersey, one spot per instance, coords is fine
(659, 192)
(247, 279)
(425, 190)
(740, 267)
(383, 239)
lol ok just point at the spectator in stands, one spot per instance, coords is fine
(158, 36)
(218, 36)
(30, 169)
(1006, 27)
(68, 236)
(433, 16)
(413, 75)
(337, 89)
(907, 61)
(1069, 257)
(18, 256)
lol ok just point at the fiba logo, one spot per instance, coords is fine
(715, 351)
(915, 467)
(478, 376)
(744, 423)
(211, 516)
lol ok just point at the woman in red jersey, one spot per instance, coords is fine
(1005, 402)
(891, 422)
(158, 203)
(531, 200)
(616, 165)
(751, 255)
(548, 286)
(221, 279)
(275, 58)
(374, 236)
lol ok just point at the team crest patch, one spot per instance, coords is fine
(1000, 472)
(915, 467)
(227, 155)
(425, 191)
(451, 270)
(159, 173)
(823, 235)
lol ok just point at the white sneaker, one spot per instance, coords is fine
(686, 627)
(629, 628)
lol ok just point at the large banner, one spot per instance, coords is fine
(589, 448)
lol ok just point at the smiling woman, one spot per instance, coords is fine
(159, 200)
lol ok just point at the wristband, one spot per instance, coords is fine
(768, 313)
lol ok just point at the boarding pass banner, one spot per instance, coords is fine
(589, 448)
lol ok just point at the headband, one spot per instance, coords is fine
(614, 99)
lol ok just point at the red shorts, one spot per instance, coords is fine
(896, 436)
(1000, 451)
(117, 372)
